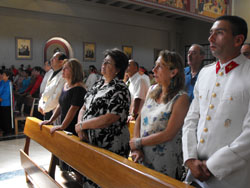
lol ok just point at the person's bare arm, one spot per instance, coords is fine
(174, 125)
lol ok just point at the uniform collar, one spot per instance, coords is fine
(230, 65)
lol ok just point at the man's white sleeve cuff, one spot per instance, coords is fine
(224, 162)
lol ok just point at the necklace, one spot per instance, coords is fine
(68, 86)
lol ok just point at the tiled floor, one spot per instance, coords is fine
(10, 157)
(11, 172)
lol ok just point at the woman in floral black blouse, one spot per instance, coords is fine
(102, 119)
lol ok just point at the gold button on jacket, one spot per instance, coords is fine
(211, 106)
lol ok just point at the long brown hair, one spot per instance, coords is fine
(77, 72)
(174, 60)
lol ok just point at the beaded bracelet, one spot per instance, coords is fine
(81, 124)
(138, 143)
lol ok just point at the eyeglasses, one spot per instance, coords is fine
(247, 54)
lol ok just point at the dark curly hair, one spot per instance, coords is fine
(121, 60)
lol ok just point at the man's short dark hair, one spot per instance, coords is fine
(49, 62)
(238, 25)
(27, 72)
(7, 72)
(92, 68)
(62, 56)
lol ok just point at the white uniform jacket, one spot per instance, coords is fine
(52, 92)
(217, 126)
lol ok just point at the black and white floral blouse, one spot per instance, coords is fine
(112, 98)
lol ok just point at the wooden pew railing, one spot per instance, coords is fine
(131, 126)
(105, 168)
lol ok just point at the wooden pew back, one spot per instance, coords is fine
(105, 168)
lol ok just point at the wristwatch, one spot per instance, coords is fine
(134, 115)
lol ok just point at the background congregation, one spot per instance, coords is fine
(190, 110)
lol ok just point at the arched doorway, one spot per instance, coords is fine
(56, 44)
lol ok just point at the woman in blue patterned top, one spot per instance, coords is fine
(102, 119)
(157, 136)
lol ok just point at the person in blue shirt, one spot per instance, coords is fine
(5, 99)
(196, 55)
(25, 82)
(1, 78)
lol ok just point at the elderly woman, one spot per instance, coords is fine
(157, 135)
(102, 119)
(71, 98)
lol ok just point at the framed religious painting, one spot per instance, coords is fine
(23, 48)
(212, 8)
(128, 50)
(89, 51)
(178, 4)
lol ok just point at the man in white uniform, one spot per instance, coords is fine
(50, 97)
(216, 132)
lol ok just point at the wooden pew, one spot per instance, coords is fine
(105, 168)
(131, 126)
(37, 175)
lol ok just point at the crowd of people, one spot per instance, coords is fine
(191, 123)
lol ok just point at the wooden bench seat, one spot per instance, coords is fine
(105, 168)
(36, 174)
